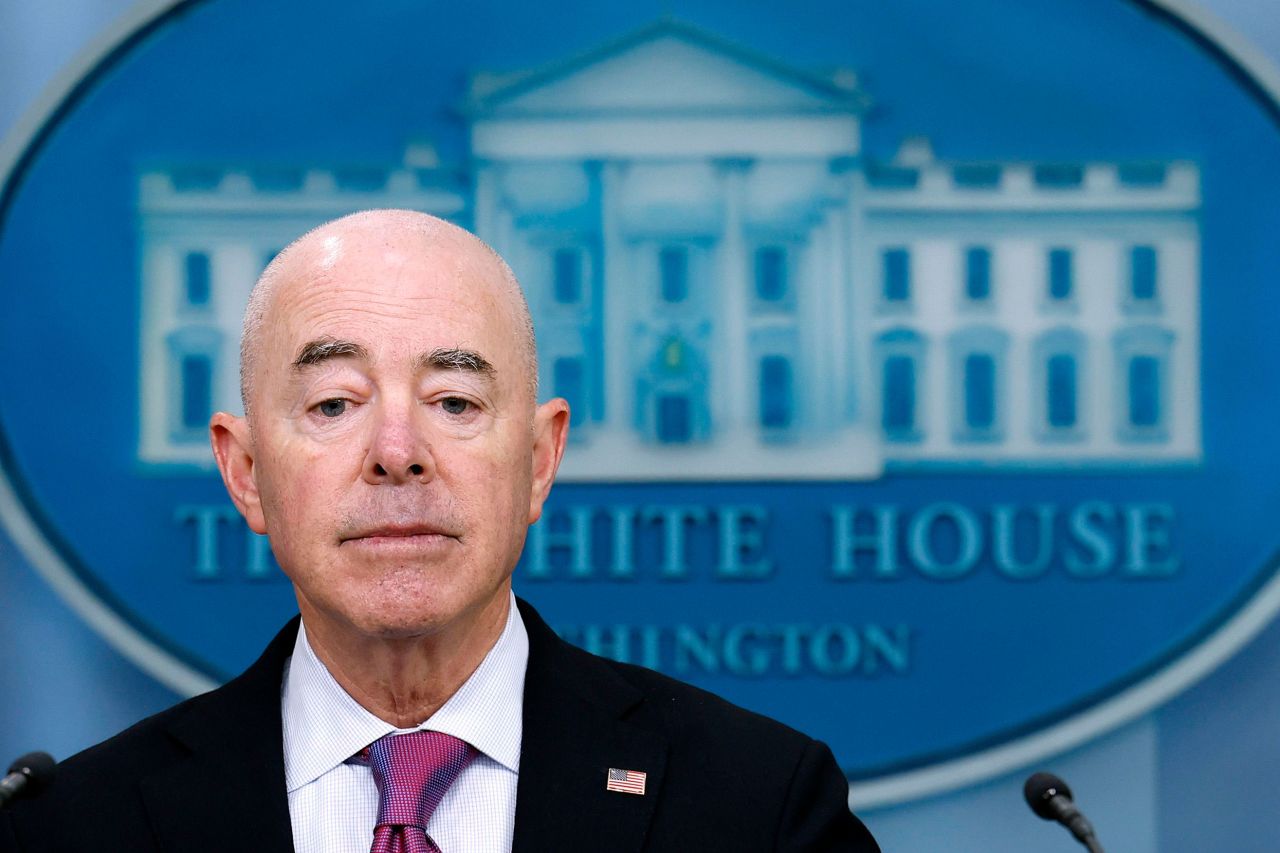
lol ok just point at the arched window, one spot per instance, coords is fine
(776, 406)
(900, 355)
(197, 391)
(673, 406)
(569, 378)
(1060, 394)
(674, 418)
(193, 374)
(1143, 380)
(1144, 392)
(1057, 364)
(978, 389)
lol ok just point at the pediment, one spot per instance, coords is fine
(666, 69)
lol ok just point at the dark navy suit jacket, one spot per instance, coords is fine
(208, 774)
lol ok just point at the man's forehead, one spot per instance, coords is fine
(366, 263)
(411, 318)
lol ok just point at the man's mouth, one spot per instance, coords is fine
(403, 534)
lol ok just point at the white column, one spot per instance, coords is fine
(730, 383)
(824, 325)
(859, 282)
(811, 296)
(836, 322)
(617, 296)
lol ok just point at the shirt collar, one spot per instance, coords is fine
(324, 726)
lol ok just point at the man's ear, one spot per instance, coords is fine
(233, 449)
(550, 432)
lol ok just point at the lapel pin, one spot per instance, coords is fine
(625, 781)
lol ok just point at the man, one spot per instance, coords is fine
(393, 450)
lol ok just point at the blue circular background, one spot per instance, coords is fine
(227, 81)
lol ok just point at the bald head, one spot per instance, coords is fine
(416, 237)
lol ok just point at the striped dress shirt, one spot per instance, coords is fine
(333, 802)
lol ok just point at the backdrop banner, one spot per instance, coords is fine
(911, 347)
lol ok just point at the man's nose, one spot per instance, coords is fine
(399, 451)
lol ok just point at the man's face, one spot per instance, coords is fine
(397, 457)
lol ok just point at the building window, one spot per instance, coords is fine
(900, 355)
(569, 381)
(1058, 175)
(673, 269)
(1144, 392)
(1142, 174)
(675, 419)
(1142, 274)
(1060, 391)
(1057, 360)
(775, 392)
(192, 382)
(197, 391)
(197, 278)
(979, 392)
(977, 277)
(976, 176)
(899, 416)
(886, 176)
(1144, 383)
(771, 273)
(897, 275)
(976, 376)
(1060, 275)
(567, 276)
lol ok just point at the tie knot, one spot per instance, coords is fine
(413, 771)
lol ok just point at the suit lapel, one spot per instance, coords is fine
(575, 730)
(227, 791)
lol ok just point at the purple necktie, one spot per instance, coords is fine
(412, 772)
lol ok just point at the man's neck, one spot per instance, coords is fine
(404, 680)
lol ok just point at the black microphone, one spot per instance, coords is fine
(27, 777)
(1050, 798)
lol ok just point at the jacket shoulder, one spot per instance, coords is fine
(734, 779)
(687, 711)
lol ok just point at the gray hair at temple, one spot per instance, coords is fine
(431, 229)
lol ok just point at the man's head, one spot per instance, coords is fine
(392, 446)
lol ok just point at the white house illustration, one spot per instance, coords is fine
(725, 287)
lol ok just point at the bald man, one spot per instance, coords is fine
(394, 452)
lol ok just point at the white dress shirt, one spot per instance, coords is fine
(333, 803)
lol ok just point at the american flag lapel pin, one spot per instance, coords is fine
(625, 781)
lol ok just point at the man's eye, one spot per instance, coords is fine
(455, 405)
(332, 408)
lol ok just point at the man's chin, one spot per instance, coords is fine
(407, 626)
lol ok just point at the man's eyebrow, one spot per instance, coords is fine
(452, 358)
(323, 349)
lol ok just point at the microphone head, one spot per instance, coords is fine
(1042, 787)
(38, 767)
